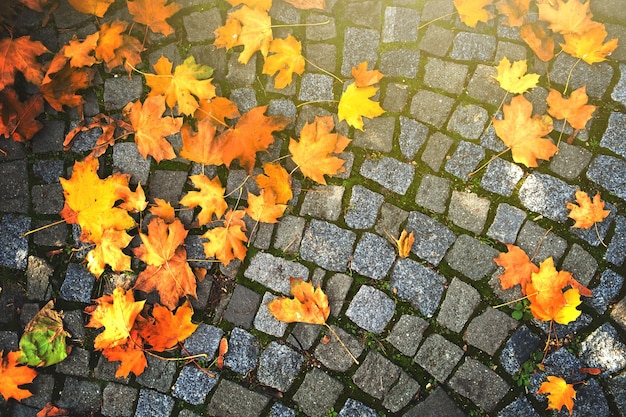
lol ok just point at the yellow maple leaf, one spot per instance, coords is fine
(587, 212)
(277, 179)
(286, 59)
(109, 252)
(589, 45)
(573, 16)
(514, 11)
(263, 208)
(404, 243)
(210, 198)
(513, 78)
(247, 27)
(573, 109)
(473, 11)
(95, 7)
(560, 393)
(309, 305)
(153, 13)
(355, 104)
(227, 242)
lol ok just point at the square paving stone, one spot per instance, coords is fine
(303, 335)
(106, 370)
(596, 77)
(469, 211)
(402, 63)
(507, 223)
(438, 356)
(55, 236)
(606, 291)
(437, 40)
(80, 396)
(193, 384)
(418, 284)
(119, 91)
(407, 333)
(48, 170)
(604, 349)
(78, 284)
(547, 195)
(205, 340)
(501, 177)
(199, 26)
(484, 87)
(316, 87)
(431, 108)
(274, 272)
(581, 264)
(327, 245)
(158, 375)
(535, 240)
(279, 410)
(323, 202)
(445, 75)
(376, 375)
(570, 161)
(489, 330)
(401, 393)
(437, 404)
(118, 400)
(243, 351)
(364, 13)
(239, 74)
(336, 289)
(433, 193)
(479, 383)
(377, 134)
(167, 185)
(432, 239)
(465, 159)
(320, 32)
(363, 207)
(610, 173)
(436, 150)
(244, 98)
(265, 321)
(38, 273)
(472, 258)
(360, 45)
(14, 195)
(248, 403)
(390, 220)
(76, 363)
(412, 135)
(354, 408)
(289, 234)
(242, 306)
(616, 252)
(396, 96)
(318, 393)
(371, 309)
(390, 173)
(519, 408)
(321, 55)
(279, 366)
(47, 198)
(373, 256)
(50, 138)
(153, 404)
(468, 121)
(42, 389)
(458, 306)
(333, 355)
(127, 159)
(400, 24)
(468, 46)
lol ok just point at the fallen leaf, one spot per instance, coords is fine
(12, 375)
(355, 104)
(109, 251)
(117, 48)
(43, 340)
(560, 393)
(18, 119)
(51, 410)
(21, 55)
(573, 16)
(513, 78)
(130, 354)
(210, 198)
(364, 77)
(107, 124)
(62, 82)
(404, 243)
(539, 40)
(250, 27)
(518, 268)
(277, 179)
(473, 11)
(573, 109)
(309, 305)
(587, 212)
(153, 13)
(82, 53)
(285, 59)
(163, 209)
(588, 45)
(202, 146)
(226, 243)
(315, 153)
(523, 132)
(222, 350)
(264, 208)
(36, 5)
(307, 4)
(95, 7)
(165, 329)
(515, 12)
(217, 110)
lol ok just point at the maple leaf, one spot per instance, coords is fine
(167, 269)
(587, 212)
(189, 79)
(107, 124)
(264, 208)
(513, 77)
(82, 53)
(50, 410)
(227, 35)
(116, 48)
(314, 152)
(473, 11)
(165, 329)
(210, 198)
(217, 110)
(116, 313)
(43, 340)
(364, 77)
(404, 243)
(560, 393)
(514, 11)
(163, 209)
(13, 375)
(254, 4)
(62, 81)
(130, 355)
(518, 268)
(573, 109)
(151, 128)
(277, 179)
(250, 27)
(573, 16)
(134, 201)
(202, 146)
(153, 13)
(90, 201)
(251, 134)
(307, 4)
(309, 305)
(523, 133)
(20, 55)
(18, 119)
(588, 45)
(222, 350)
(286, 59)
(108, 251)
(95, 7)
(355, 104)
(539, 40)
(227, 242)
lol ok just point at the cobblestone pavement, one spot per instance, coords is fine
(428, 341)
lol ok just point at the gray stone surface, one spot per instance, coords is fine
(396, 96)
(248, 404)
(80, 396)
(158, 375)
(371, 309)
(321, 57)
(128, 160)
(570, 161)
(596, 77)
(400, 24)
(333, 355)
(360, 45)
(468, 121)
(118, 400)
(48, 170)
(327, 245)
(468, 46)
(354, 408)
(400, 63)
(279, 410)
(433, 193)
(316, 87)
(501, 177)
(412, 136)
(47, 198)
(604, 349)
(242, 306)
(401, 393)
(616, 252)
(38, 273)
(323, 202)
(489, 330)
(432, 239)
(506, 223)
(445, 75)
(78, 284)
(390, 220)
(436, 150)
(119, 91)
(540, 243)
(617, 387)
(519, 408)
(580, 263)
(193, 384)
(465, 159)
(243, 351)
(76, 363)
(419, 285)
(205, 340)
(377, 134)
(479, 383)
(471, 257)
(614, 133)
(274, 272)
(438, 403)
(619, 91)
(303, 335)
(373, 256)
(431, 108)
(609, 173)
(265, 321)
(320, 32)
(469, 211)
(239, 74)
(279, 366)
(484, 87)
(438, 356)
(336, 289)
(606, 291)
(363, 207)
(458, 306)
(167, 185)
(289, 234)
(318, 393)
(407, 333)
(14, 195)
(390, 173)
(376, 375)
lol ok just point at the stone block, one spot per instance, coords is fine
(118, 400)
(606, 291)
(469, 46)
(274, 272)
(401, 63)
(78, 284)
(484, 87)
(320, 32)
(468, 121)
(167, 185)
(244, 98)
(472, 258)
(469, 211)
(547, 195)
(80, 396)
(401, 393)
(47, 198)
(616, 252)
(431, 108)
(437, 40)
(390, 220)
(581, 264)
(205, 340)
(371, 309)
(418, 284)
(289, 234)
(596, 77)
(158, 375)
(570, 161)
(458, 306)
(360, 45)
(248, 404)
(336, 289)
(327, 245)
(489, 330)
(323, 202)
(243, 352)
(407, 333)
(432, 239)
(199, 26)
(436, 404)
(373, 256)
(363, 207)
(303, 335)
(14, 195)
(48, 170)
(333, 355)
(501, 177)
(396, 96)
(436, 150)
(400, 24)
(479, 383)
(376, 375)
(240, 74)
(390, 173)
(506, 223)
(127, 159)
(279, 366)
(438, 356)
(465, 159)
(610, 173)
(412, 136)
(533, 236)
(356, 408)
(433, 193)
(119, 91)
(265, 321)
(377, 134)
(604, 349)
(445, 75)
(318, 393)
(321, 57)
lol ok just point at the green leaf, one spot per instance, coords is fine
(43, 341)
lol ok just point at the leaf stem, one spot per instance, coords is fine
(569, 75)
(323, 70)
(317, 101)
(436, 19)
(516, 300)
(474, 172)
(295, 25)
(343, 345)
(43, 227)
(598, 234)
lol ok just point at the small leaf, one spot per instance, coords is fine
(309, 305)
(355, 104)
(560, 393)
(12, 375)
(404, 243)
(473, 11)
(513, 77)
(587, 212)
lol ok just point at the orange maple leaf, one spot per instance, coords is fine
(314, 153)
(277, 179)
(12, 375)
(539, 40)
(473, 11)
(165, 328)
(167, 269)
(51, 410)
(514, 11)
(189, 79)
(518, 268)
(250, 27)
(217, 110)
(108, 251)
(254, 4)
(107, 124)
(153, 13)
(264, 208)
(364, 77)
(512, 77)
(227, 242)
(116, 313)
(82, 53)
(587, 212)
(573, 16)
(210, 198)
(163, 209)
(588, 45)
(95, 7)
(523, 133)
(309, 305)
(20, 55)
(130, 354)
(560, 393)
(404, 243)
(202, 146)
(116, 47)
(573, 109)
(251, 134)
(18, 119)
(286, 59)
(62, 81)
(151, 128)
